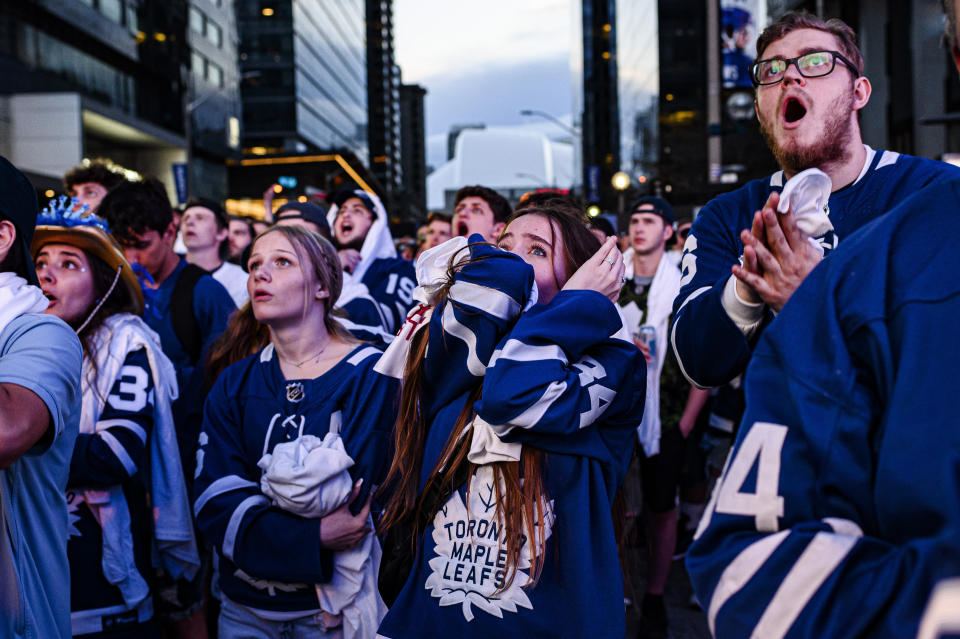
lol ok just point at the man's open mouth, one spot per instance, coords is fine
(346, 228)
(462, 229)
(793, 110)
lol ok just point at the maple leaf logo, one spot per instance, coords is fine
(471, 563)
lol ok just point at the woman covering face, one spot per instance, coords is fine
(293, 439)
(127, 385)
(515, 429)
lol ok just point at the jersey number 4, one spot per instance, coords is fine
(761, 447)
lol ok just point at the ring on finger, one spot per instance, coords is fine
(608, 261)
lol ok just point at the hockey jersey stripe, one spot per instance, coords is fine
(453, 326)
(888, 158)
(486, 299)
(132, 426)
(230, 536)
(740, 571)
(673, 333)
(219, 487)
(535, 412)
(121, 453)
(359, 356)
(519, 352)
(817, 561)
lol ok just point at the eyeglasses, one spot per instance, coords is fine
(815, 64)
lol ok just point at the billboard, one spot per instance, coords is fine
(740, 23)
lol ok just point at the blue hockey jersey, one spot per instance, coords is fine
(553, 379)
(113, 455)
(391, 281)
(839, 509)
(711, 349)
(269, 558)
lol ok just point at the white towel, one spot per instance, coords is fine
(308, 476)
(806, 194)
(17, 298)
(663, 290)
(174, 539)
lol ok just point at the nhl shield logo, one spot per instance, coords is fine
(294, 392)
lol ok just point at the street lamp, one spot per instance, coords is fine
(620, 182)
(575, 132)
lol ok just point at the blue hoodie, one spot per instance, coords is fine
(553, 378)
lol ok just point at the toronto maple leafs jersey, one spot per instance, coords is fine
(391, 281)
(839, 509)
(268, 558)
(710, 348)
(553, 379)
(112, 455)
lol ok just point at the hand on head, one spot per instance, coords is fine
(602, 273)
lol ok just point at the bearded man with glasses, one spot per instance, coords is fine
(742, 260)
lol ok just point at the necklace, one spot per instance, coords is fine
(314, 357)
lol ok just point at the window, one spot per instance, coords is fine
(214, 33)
(131, 18)
(113, 10)
(196, 20)
(214, 74)
(198, 65)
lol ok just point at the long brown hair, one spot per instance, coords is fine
(521, 505)
(243, 337)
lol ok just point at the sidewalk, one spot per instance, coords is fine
(686, 620)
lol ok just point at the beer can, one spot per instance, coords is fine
(648, 335)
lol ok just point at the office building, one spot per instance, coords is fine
(92, 78)
(213, 95)
(304, 91)
(412, 202)
(383, 95)
(594, 65)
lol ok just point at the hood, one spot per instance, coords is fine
(377, 244)
(18, 203)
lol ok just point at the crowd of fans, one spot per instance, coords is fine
(296, 426)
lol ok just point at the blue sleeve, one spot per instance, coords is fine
(364, 311)
(558, 371)
(789, 545)
(113, 453)
(212, 307)
(486, 297)
(236, 517)
(710, 348)
(368, 420)
(392, 288)
(43, 355)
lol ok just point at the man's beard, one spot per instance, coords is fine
(829, 149)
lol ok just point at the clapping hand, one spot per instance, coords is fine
(777, 257)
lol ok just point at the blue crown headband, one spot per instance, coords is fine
(70, 213)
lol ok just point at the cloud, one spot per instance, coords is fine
(435, 37)
(495, 95)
